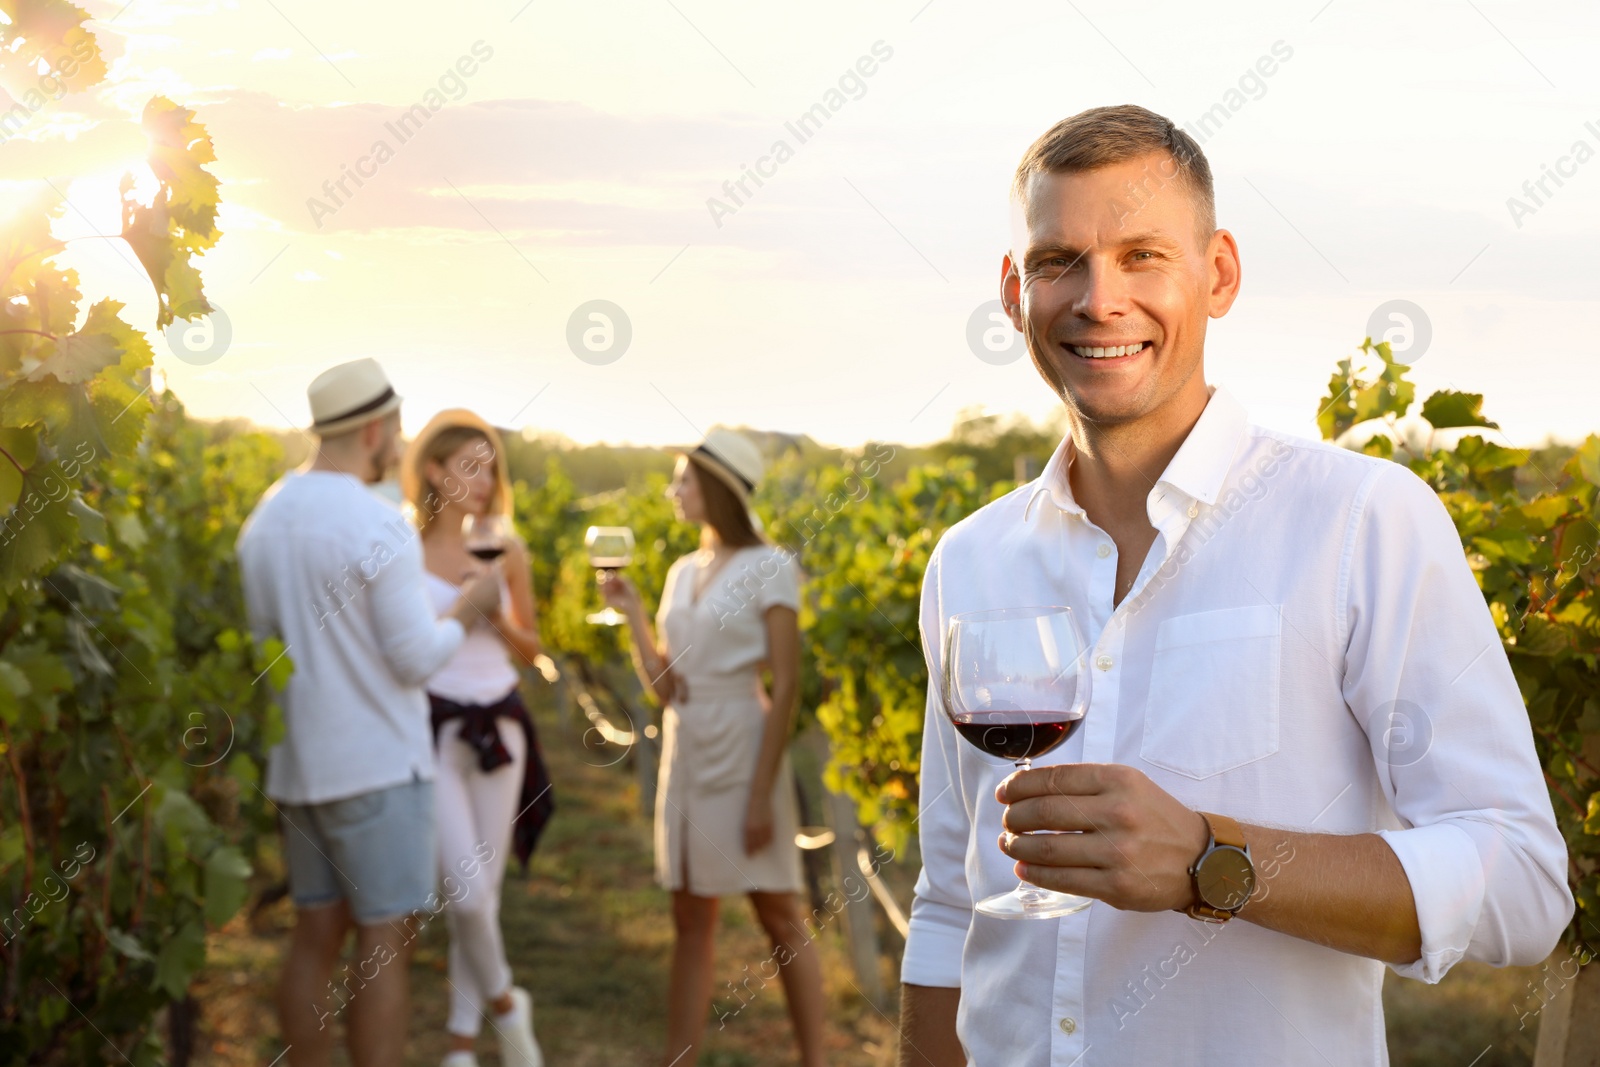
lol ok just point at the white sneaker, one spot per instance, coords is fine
(459, 1058)
(518, 1047)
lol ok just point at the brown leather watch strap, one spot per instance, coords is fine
(1224, 831)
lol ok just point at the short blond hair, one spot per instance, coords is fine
(1105, 136)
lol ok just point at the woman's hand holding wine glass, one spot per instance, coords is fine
(619, 593)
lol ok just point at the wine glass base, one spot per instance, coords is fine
(1031, 902)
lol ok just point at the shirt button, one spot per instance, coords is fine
(1194, 509)
(1104, 663)
(1069, 1026)
(1103, 551)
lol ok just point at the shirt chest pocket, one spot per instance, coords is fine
(1214, 683)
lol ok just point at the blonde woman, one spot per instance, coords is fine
(725, 807)
(492, 795)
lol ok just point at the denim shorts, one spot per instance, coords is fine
(375, 850)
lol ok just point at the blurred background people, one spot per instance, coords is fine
(336, 573)
(725, 817)
(492, 792)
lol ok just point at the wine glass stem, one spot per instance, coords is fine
(1024, 888)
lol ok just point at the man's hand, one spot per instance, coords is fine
(1136, 841)
(480, 598)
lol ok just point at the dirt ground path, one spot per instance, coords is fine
(588, 933)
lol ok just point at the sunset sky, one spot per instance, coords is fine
(575, 163)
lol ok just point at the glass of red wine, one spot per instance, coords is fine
(610, 549)
(1016, 685)
(485, 536)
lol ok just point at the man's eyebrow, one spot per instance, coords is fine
(1044, 251)
(1053, 249)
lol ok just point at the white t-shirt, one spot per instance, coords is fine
(480, 672)
(335, 571)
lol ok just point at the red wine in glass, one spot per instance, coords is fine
(1015, 735)
(1016, 686)
(485, 536)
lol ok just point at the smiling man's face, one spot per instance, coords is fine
(1111, 283)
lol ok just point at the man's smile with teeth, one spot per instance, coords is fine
(1090, 352)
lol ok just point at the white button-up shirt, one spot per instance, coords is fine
(1304, 647)
(336, 572)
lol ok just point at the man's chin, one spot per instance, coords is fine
(1105, 407)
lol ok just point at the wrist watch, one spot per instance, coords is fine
(1223, 876)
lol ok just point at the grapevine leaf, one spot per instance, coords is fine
(130, 531)
(12, 845)
(21, 445)
(1588, 459)
(91, 523)
(13, 681)
(128, 945)
(94, 592)
(14, 685)
(225, 884)
(78, 357)
(1337, 413)
(1482, 457)
(184, 292)
(181, 956)
(179, 148)
(1448, 408)
(148, 231)
(83, 643)
(37, 532)
(181, 820)
(1384, 397)
(180, 220)
(50, 31)
(244, 771)
(10, 485)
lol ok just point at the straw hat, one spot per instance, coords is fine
(348, 396)
(733, 459)
(413, 483)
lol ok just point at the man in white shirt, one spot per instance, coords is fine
(1283, 635)
(336, 572)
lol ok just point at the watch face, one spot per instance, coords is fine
(1225, 878)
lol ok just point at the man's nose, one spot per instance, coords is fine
(1104, 292)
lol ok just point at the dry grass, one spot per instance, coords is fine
(589, 934)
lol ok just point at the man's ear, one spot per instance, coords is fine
(1011, 290)
(1226, 273)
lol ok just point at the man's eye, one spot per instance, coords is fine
(1141, 256)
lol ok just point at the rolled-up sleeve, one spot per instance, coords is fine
(1428, 678)
(941, 909)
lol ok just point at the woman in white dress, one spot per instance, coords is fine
(725, 805)
(490, 793)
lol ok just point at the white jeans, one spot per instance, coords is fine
(474, 811)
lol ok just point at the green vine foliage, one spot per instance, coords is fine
(863, 546)
(1532, 537)
(134, 710)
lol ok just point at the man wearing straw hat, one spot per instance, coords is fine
(336, 572)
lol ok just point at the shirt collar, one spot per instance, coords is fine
(1197, 471)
